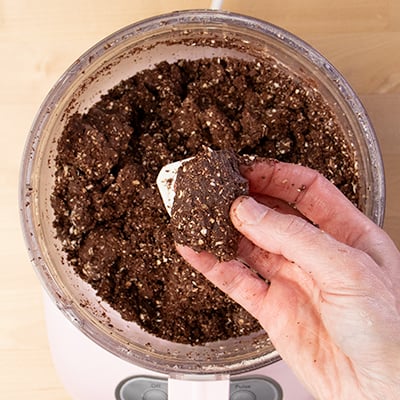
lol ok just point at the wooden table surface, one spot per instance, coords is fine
(39, 40)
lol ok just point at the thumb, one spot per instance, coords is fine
(316, 252)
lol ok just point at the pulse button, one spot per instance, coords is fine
(243, 395)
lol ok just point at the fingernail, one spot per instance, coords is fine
(250, 212)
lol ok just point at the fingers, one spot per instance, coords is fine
(309, 191)
(276, 204)
(333, 265)
(263, 262)
(318, 200)
(232, 277)
(288, 300)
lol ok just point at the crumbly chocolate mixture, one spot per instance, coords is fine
(205, 188)
(109, 214)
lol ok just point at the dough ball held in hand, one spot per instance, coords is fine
(205, 189)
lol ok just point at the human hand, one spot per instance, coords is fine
(332, 307)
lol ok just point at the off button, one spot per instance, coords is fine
(243, 395)
(154, 394)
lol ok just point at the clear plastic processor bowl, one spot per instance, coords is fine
(192, 35)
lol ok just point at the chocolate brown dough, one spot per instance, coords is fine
(205, 188)
(109, 215)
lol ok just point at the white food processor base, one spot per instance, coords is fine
(89, 372)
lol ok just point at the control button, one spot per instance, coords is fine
(243, 395)
(155, 394)
(255, 388)
(142, 388)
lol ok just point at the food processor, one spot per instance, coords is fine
(98, 354)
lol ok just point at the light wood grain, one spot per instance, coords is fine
(39, 40)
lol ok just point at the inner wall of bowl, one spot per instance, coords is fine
(97, 71)
(77, 298)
